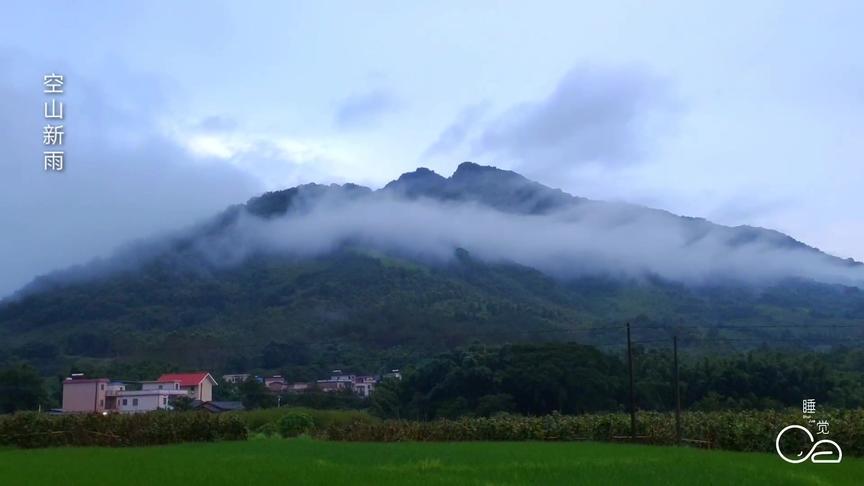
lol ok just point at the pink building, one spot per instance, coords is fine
(275, 383)
(85, 394)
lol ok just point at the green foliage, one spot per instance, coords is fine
(29, 429)
(386, 311)
(295, 423)
(749, 431)
(257, 419)
(336, 400)
(182, 403)
(268, 430)
(538, 379)
(21, 388)
(255, 395)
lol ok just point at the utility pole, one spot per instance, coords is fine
(677, 391)
(632, 396)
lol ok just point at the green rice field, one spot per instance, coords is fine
(306, 461)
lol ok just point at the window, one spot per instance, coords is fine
(101, 403)
(134, 402)
(102, 386)
(125, 402)
(164, 400)
(160, 387)
(176, 386)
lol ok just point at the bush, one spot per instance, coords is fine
(255, 419)
(268, 430)
(294, 424)
(31, 429)
(751, 431)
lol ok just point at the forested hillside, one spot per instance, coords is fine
(273, 284)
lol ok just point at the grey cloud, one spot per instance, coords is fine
(362, 109)
(217, 123)
(749, 207)
(585, 239)
(455, 135)
(123, 179)
(595, 115)
(278, 168)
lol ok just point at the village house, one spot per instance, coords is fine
(137, 401)
(393, 375)
(236, 378)
(298, 387)
(82, 394)
(100, 395)
(338, 381)
(364, 385)
(275, 384)
(198, 385)
(160, 385)
(218, 407)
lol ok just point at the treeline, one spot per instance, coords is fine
(540, 379)
(534, 379)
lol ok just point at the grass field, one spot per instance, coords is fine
(305, 461)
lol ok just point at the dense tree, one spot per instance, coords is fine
(570, 378)
(255, 395)
(351, 307)
(21, 388)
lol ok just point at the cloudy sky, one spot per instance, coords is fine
(741, 112)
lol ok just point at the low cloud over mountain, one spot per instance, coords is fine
(498, 216)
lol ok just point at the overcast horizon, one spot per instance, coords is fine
(739, 113)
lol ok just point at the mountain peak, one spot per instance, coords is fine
(471, 170)
(421, 173)
(422, 181)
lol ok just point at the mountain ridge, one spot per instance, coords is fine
(229, 289)
(500, 189)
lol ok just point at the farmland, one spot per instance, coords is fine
(307, 461)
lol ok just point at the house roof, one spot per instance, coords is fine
(187, 379)
(227, 405)
(218, 407)
(68, 381)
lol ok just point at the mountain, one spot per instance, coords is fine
(318, 276)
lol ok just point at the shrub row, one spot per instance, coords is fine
(266, 420)
(753, 431)
(31, 429)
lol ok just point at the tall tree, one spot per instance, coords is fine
(21, 388)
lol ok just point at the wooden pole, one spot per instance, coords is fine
(677, 391)
(632, 396)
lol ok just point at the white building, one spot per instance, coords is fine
(160, 385)
(236, 378)
(136, 401)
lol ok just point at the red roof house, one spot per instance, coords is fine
(199, 385)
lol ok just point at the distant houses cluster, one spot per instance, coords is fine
(82, 394)
(361, 385)
(103, 395)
